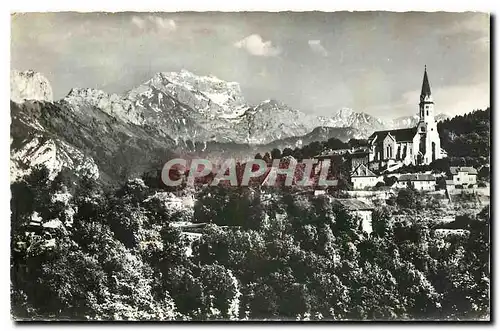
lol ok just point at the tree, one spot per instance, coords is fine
(263, 300)
(311, 150)
(275, 154)
(466, 135)
(441, 183)
(390, 180)
(355, 143)
(484, 173)
(407, 198)
(298, 154)
(267, 158)
(233, 206)
(219, 288)
(287, 152)
(382, 222)
(335, 143)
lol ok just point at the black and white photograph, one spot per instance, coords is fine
(250, 166)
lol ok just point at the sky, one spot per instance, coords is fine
(316, 62)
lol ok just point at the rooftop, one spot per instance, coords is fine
(399, 135)
(353, 204)
(332, 152)
(469, 170)
(416, 177)
(343, 151)
(362, 171)
(426, 87)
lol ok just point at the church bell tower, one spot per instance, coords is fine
(426, 105)
(429, 142)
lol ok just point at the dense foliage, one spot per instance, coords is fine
(262, 255)
(313, 149)
(467, 135)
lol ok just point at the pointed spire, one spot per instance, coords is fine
(426, 88)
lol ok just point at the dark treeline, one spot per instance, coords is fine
(467, 135)
(313, 149)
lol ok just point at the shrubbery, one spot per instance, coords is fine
(289, 256)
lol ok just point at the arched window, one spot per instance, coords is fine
(433, 151)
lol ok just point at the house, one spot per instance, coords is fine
(451, 232)
(358, 156)
(421, 182)
(361, 209)
(362, 177)
(319, 192)
(341, 159)
(449, 185)
(464, 176)
(418, 145)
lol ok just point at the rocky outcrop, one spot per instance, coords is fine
(29, 85)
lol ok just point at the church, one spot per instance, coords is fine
(418, 145)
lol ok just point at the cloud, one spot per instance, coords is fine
(139, 22)
(478, 22)
(483, 43)
(317, 48)
(154, 23)
(255, 45)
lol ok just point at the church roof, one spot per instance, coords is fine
(362, 171)
(399, 135)
(426, 87)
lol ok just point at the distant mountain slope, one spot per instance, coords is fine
(412, 121)
(113, 136)
(88, 141)
(185, 107)
(365, 124)
(272, 120)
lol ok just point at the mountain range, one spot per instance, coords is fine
(173, 113)
(411, 121)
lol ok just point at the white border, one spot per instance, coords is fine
(252, 5)
(187, 5)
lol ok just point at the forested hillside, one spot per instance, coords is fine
(467, 135)
(119, 255)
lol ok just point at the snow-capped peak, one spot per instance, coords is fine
(207, 94)
(112, 104)
(29, 85)
(344, 113)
